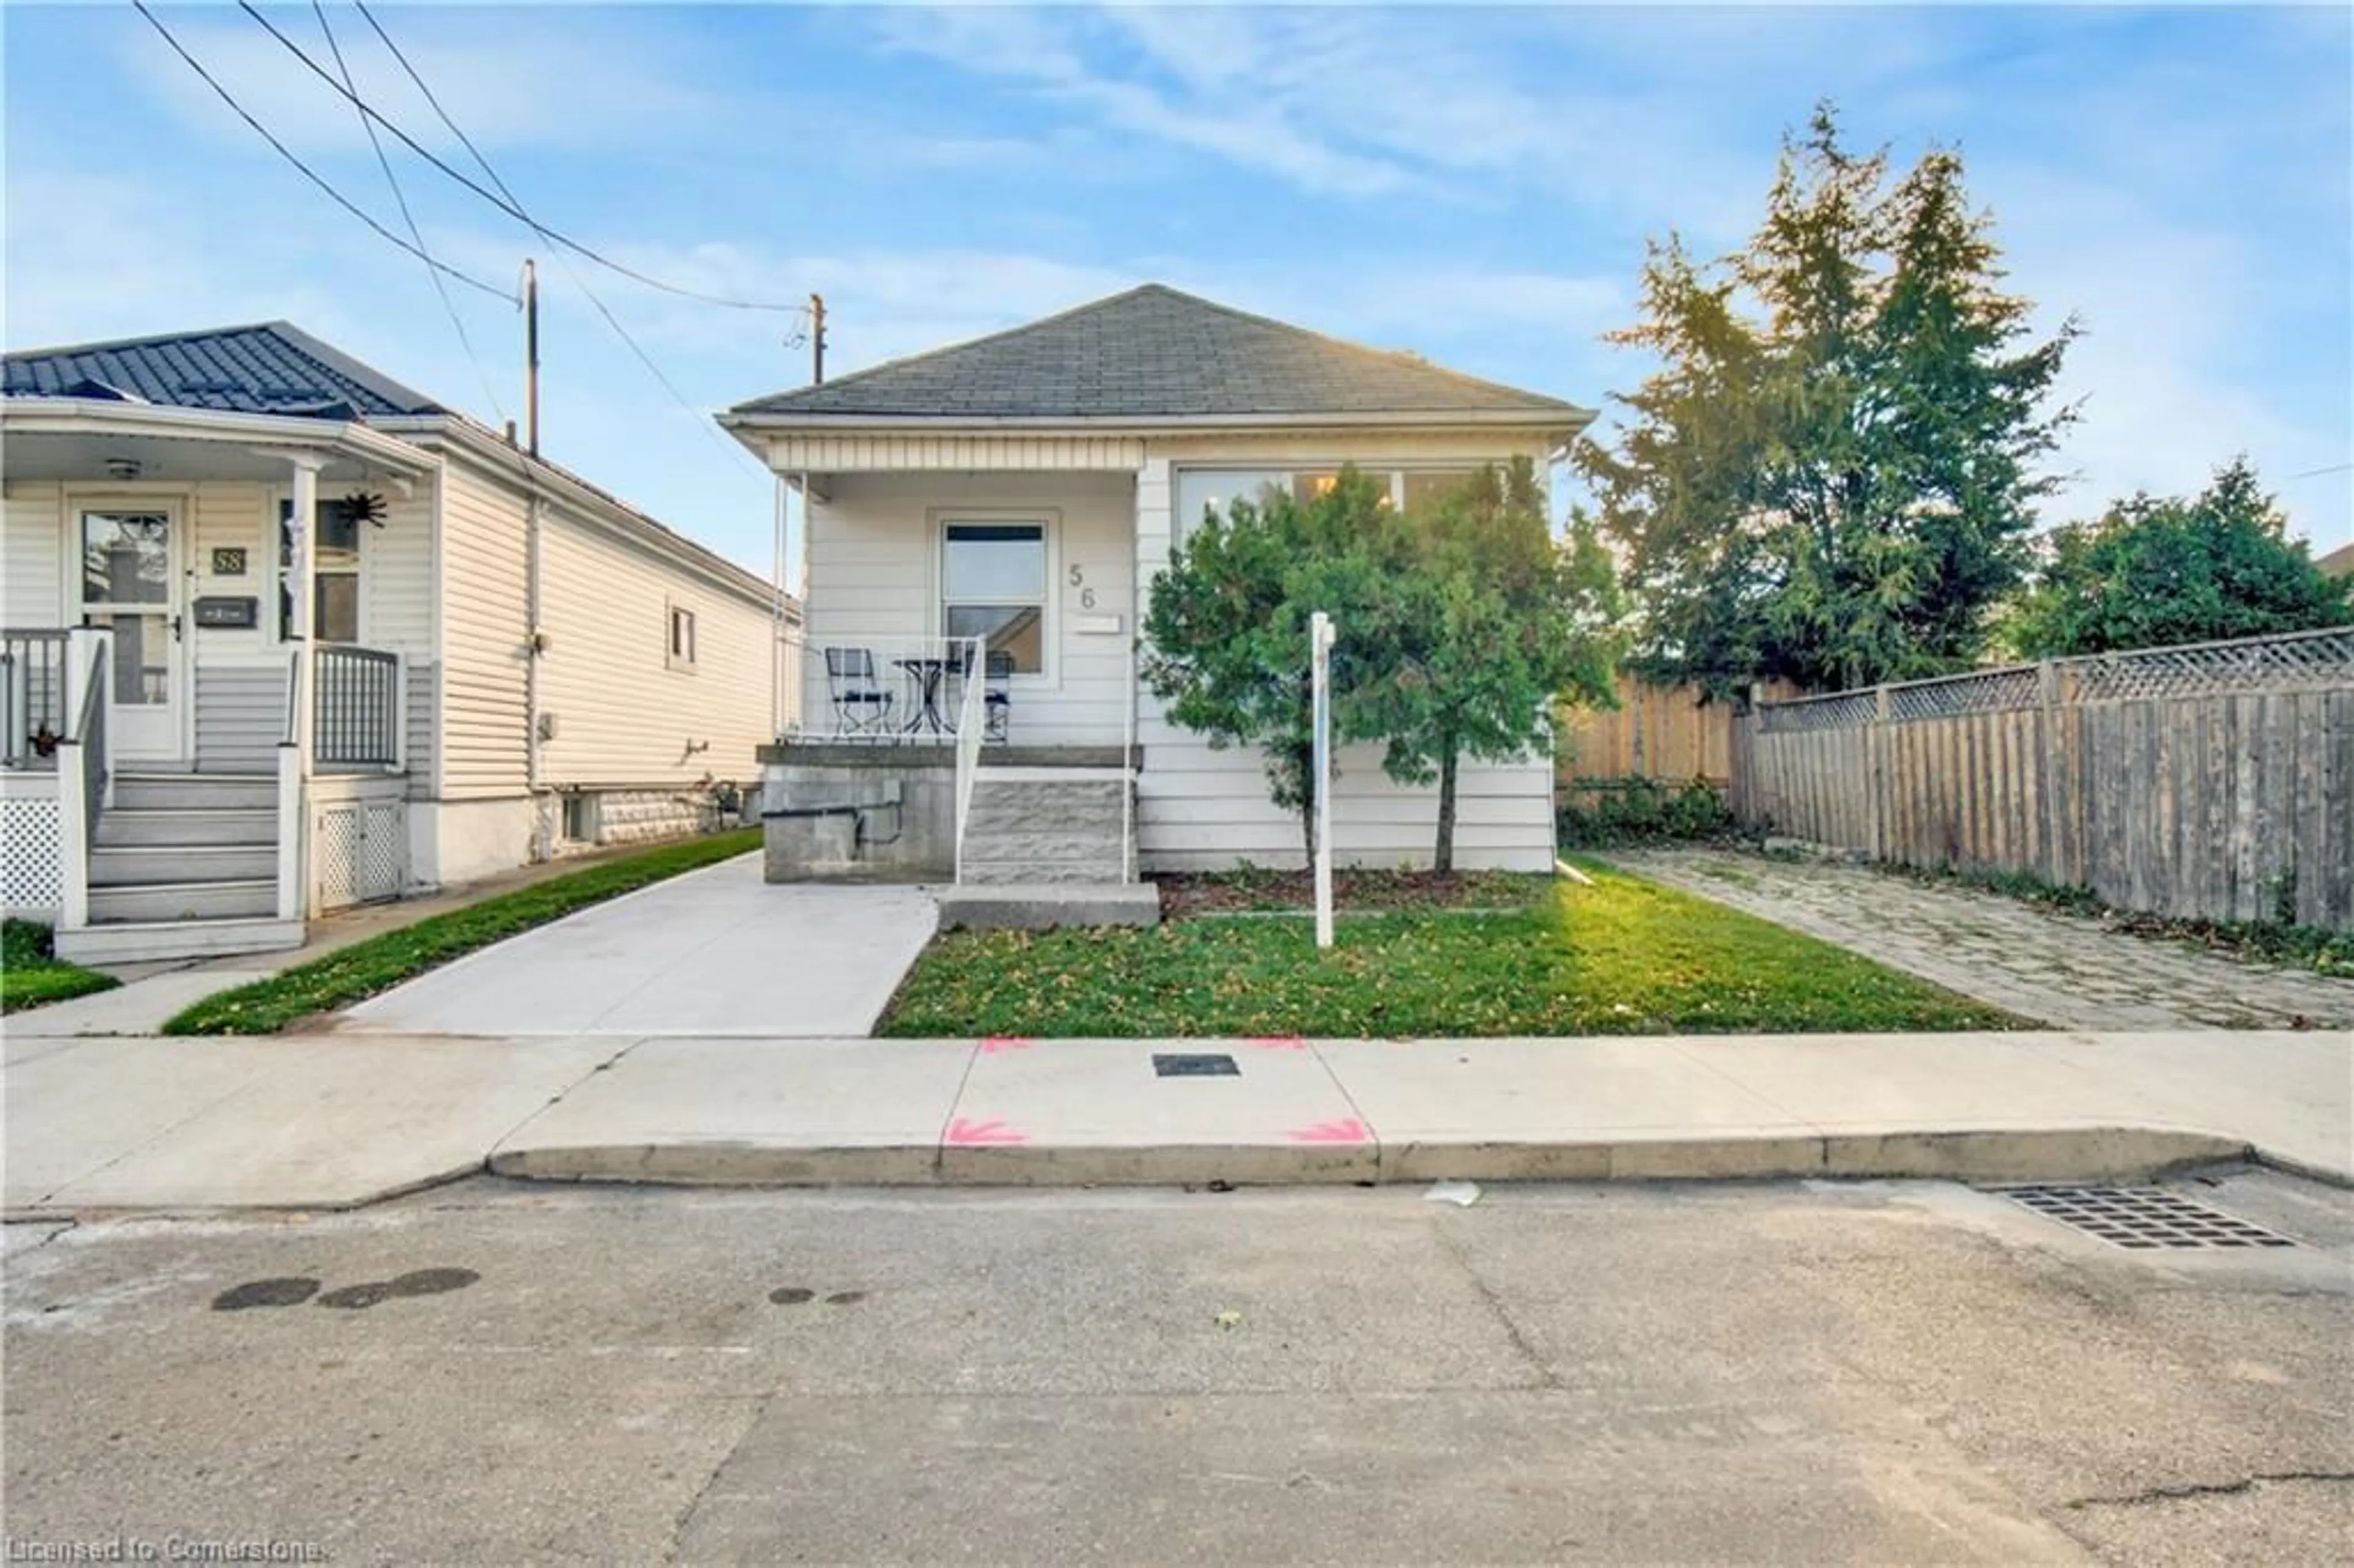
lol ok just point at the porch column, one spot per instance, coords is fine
(303, 529)
(294, 758)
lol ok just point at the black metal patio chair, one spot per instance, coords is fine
(861, 703)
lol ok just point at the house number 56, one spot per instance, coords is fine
(1087, 594)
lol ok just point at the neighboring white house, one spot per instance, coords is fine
(1023, 490)
(498, 660)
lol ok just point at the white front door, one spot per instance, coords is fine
(130, 582)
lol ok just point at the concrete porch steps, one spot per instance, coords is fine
(1046, 825)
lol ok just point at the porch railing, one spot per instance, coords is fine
(972, 725)
(85, 772)
(32, 695)
(887, 690)
(357, 722)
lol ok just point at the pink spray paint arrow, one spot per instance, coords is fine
(1348, 1130)
(997, 1043)
(1281, 1042)
(962, 1132)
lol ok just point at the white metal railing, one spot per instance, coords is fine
(85, 777)
(1127, 767)
(885, 690)
(972, 725)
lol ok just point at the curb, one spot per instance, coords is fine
(2028, 1154)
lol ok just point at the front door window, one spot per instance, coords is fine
(126, 584)
(993, 587)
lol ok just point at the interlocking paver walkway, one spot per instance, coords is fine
(2062, 969)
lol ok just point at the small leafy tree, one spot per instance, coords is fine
(1831, 476)
(2178, 569)
(1484, 620)
(1226, 625)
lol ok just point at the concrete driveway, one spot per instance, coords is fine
(717, 952)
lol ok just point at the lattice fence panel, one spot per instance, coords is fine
(1989, 692)
(2273, 663)
(334, 854)
(383, 852)
(1818, 713)
(32, 855)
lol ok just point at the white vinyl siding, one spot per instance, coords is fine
(1199, 807)
(484, 614)
(873, 552)
(32, 566)
(918, 453)
(625, 711)
(241, 715)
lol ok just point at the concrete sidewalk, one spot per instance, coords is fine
(342, 1119)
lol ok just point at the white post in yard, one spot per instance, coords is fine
(1320, 651)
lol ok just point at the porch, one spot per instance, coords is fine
(191, 663)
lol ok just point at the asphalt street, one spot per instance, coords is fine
(504, 1373)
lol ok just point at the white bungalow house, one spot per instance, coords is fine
(999, 509)
(216, 721)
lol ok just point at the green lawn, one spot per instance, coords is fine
(31, 975)
(353, 974)
(1623, 957)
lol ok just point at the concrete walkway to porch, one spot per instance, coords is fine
(152, 993)
(716, 952)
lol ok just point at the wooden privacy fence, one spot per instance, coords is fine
(1665, 732)
(2212, 780)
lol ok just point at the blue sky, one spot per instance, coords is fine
(1476, 184)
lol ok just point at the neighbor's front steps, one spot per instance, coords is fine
(184, 865)
(341, 1120)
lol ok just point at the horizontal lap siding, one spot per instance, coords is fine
(485, 611)
(873, 575)
(240, 716)
(624, 716)
(1201, 808)
(32, 555)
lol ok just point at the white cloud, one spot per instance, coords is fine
(534, 77)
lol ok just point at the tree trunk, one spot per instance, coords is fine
(1442, 858)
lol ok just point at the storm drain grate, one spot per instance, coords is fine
(2142, 1218)
(1199, 1064)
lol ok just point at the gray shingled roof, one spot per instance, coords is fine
(271, 367)
(1154, 353)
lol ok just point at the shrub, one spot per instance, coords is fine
(1603, 813)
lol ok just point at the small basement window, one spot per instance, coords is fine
(682, 638)
(580, 819)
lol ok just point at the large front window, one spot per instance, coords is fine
(993, 587)
(1204, 489)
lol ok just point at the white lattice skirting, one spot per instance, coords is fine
(32, 864)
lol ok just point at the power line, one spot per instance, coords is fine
(308, 173)
(2317, 473)
(414, 233)
(514, 204)
(504, 203)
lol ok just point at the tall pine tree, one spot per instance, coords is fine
(1831, 477)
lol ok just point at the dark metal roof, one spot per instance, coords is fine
(269, 367)
(1155, 352)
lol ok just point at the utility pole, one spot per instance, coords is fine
(817, 340)
(531, 357)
